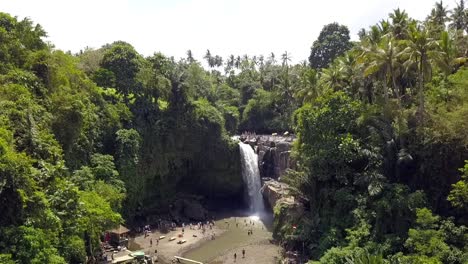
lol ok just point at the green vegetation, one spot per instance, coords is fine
(380, 146)
(106, 136)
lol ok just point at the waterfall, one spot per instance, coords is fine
(251, 176)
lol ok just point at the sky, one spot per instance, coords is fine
(224, 27)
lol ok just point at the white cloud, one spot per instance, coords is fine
(223, 26)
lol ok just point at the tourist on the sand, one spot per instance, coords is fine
(243, 253)
(235, 257)
(151, 242)
(157, 242)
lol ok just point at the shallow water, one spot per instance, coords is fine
(235, 236)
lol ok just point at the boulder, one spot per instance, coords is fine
(273, 191)
(283, 146)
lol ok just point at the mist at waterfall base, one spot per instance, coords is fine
(251, 177)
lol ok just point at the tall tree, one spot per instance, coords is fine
(190, 58)
(399, 24)
(124, 62)
(459, 17)
(332, 42)
(420, 50)
(382, 59)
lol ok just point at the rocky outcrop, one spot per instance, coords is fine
(273, 191)
(286, 208)
(274, 153)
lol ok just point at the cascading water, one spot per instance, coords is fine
(251, 176)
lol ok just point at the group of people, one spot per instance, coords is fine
(235, 255)
(151, 242)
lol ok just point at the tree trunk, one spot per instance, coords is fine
(385, 89)
(421, 88)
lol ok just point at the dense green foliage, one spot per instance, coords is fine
(379, 150)
(332, 42)
(112, 136)
(103, 137)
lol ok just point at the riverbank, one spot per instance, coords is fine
(231, 235)
(165, 249)
(246, 232)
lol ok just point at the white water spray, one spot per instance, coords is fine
(251, 176)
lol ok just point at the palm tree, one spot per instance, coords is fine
(420, 50)
(459, 17)
(285, 57)
(307, 86)
(237, 63)
(382, 60)
(439, 14)
(271, 58)
(399, 25)
(190, 58)
(333, 77)
(208, 56)
(437, 19)
(352, 72)
(447, 59)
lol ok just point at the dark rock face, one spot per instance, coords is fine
(185, 209)
(274, 154)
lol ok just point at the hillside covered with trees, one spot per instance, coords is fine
(107, 136)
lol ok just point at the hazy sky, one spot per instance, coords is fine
(224, 26)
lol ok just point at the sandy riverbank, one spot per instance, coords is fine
(259, 252)
(166, 250)
(257, 245)
(231, 236)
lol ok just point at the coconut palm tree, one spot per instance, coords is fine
(439, 14)
(382, 60)
(447, 59)
(399, 24)
(333, 77)
(307, 86)
(420, 51)
(190, 58)
(459, 17)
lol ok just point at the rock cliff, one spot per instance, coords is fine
(274, 153)
(286, 208)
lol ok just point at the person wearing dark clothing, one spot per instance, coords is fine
(235, 257)
(243, 253)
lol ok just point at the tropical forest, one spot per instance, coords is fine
(357, 154)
